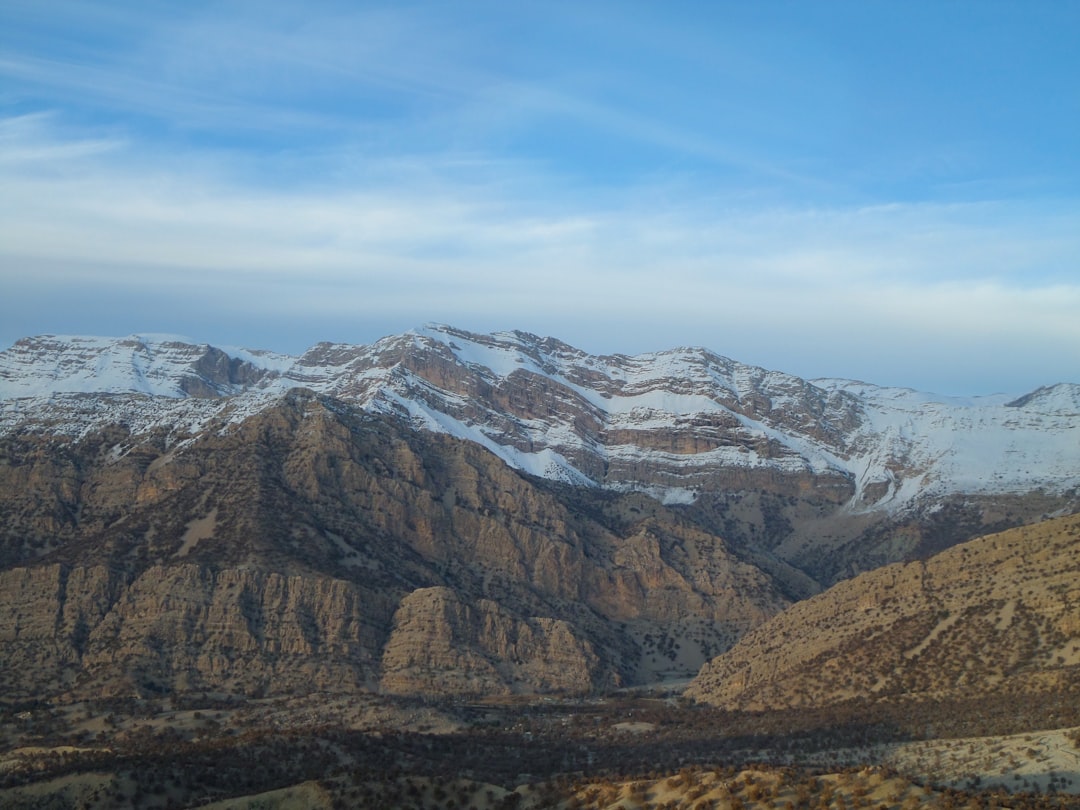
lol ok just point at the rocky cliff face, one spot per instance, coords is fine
(679, 423)
(997, 615)
(495, 513)
(440, 645)
(315, 545)
(182, 628)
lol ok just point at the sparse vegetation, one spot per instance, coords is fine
(318, 606)
(336, 752)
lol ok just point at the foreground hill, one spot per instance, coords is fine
(996, 616)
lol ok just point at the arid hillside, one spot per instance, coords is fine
(995, 616)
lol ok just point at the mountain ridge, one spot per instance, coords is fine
(555, 411)
(315, 544)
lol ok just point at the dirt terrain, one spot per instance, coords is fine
(629, 750)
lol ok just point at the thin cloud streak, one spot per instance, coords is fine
(224, 73)
(148, 218)
(820, 191)
(698, 271)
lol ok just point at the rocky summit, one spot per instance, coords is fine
(459, 514)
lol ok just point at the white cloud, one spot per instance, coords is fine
(930, 288)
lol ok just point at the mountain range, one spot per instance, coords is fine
(448, 512)
(663, 422)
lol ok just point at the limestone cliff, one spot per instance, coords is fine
(494, 513)
(183, 627)
(315, 546)
(442, 645)
(830, 477)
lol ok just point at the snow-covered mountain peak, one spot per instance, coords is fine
(906, 397)
(156, 365)
(681, 370)
(1062, 399)
(673, 422)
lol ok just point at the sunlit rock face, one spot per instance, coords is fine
(488, 514)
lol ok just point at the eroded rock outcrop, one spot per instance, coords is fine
(312, 546)
(184, 627)
(442, 645)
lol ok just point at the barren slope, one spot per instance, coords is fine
(992, 616)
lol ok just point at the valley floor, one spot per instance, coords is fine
(626, 750)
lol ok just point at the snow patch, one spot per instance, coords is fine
(895, 444)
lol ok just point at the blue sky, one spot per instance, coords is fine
(887, 191)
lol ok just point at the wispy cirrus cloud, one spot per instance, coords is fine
(278, 174)
(990, 277)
